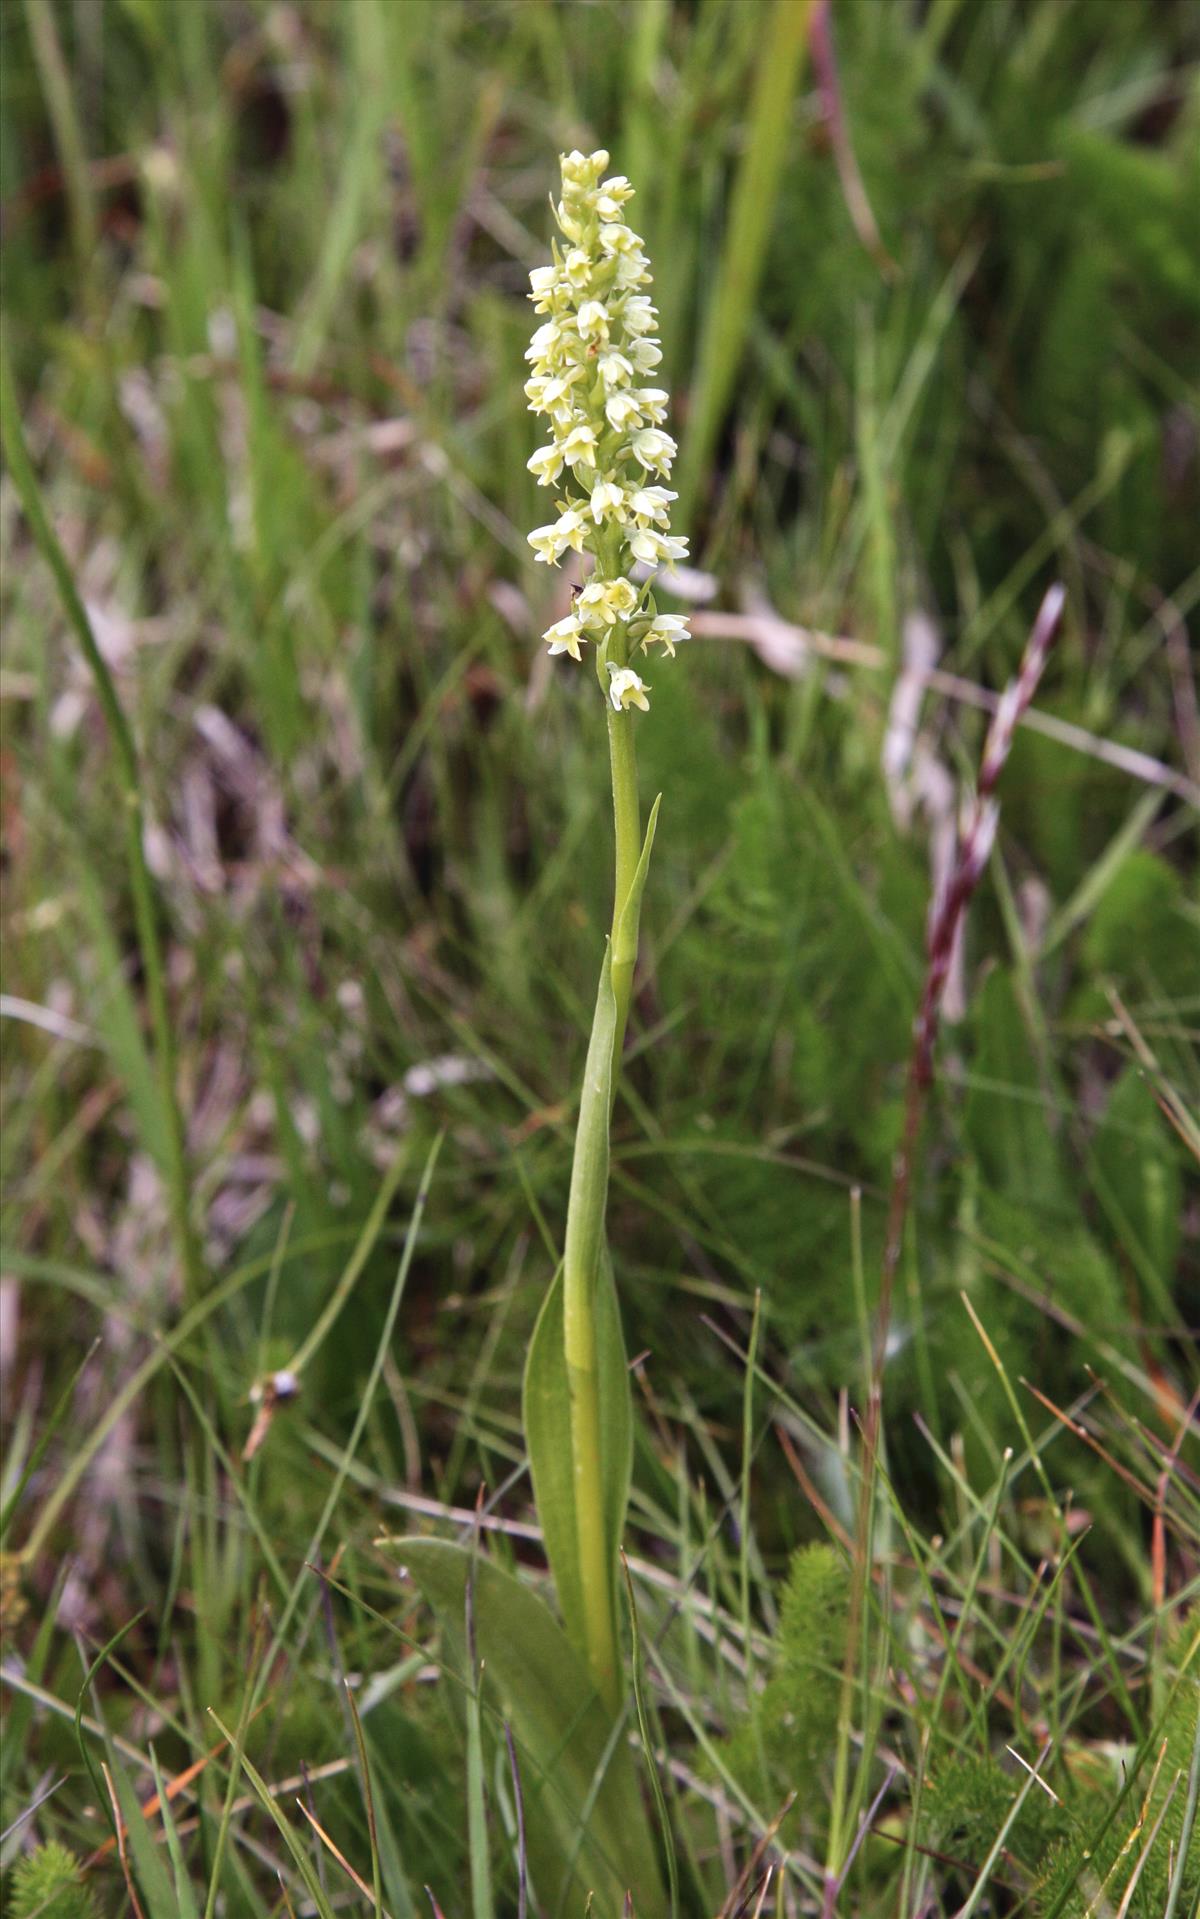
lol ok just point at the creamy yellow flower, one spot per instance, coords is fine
(606, 437)
(627, 689)
(551, 542)
(565, 636)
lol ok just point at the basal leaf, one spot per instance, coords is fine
(586, 1826)
(547, 1416)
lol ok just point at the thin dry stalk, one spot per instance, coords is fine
(976, 837)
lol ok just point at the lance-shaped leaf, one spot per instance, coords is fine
(547, 1414)
(547, 1391)
(586, 1826)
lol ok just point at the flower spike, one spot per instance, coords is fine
(607, 447)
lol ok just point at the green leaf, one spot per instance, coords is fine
(769, 137)
(152, 1876)
(1006, 1114)
(184, 1897)
(286, 1831)
(1136, 1170)
(625, 938)
(586, 1826)
(546, 1409)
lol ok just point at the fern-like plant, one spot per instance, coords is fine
(47, 1884)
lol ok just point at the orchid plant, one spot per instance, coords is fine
(607, 456)
(607, 451)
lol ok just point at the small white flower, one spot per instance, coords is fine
(653, 449)
(627, 689)
(580, 444)
(615, 368)
(622, 412)
(653, 548)
(638, 313)
(593, 320)
(648, 503)
(633, 269)
(616, 238)
(604, 602)
(547, 392)
(645, 355)
(578, 267)
(653, 402)
(583, 169)
(612, 197)
(565, 636)
(646, 545)
(668, 629)
(551, 542)
(546, 464)
(607, 501)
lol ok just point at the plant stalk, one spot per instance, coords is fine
(585, 1243)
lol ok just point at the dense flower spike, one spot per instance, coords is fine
(607, 448)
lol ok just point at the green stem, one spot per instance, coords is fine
(150, 949)
(628, 834)
(585, 1240)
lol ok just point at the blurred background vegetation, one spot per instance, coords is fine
(930, 297)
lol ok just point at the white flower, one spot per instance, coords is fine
(655, 450)
(604, 602)
(653, 402)
(580, 444)
(583, 169)
(633, 269)
(653, 548)
(616, 238)
(612, 197)
(627, 689)
(668, 629)
(607, 501)
(565, 636)
(551, 542)
(648, 503)
(615, 368)
(621, 411)
(548, 393)
(638, 313)
(645, 546)
(592, 320)
(604, 433)
(546, 464)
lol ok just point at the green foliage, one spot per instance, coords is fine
(786, 1743)
(569, 1754)
(967, 1798)
(1139, 932)
(48, 1884)
(1069, 1848)
(546, 1414)
(274, 407)
(1141, 1847)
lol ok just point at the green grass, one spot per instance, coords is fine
(263, 300)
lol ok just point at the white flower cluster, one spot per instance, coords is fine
(607, 447)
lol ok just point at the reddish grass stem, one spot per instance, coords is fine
(976, 836)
